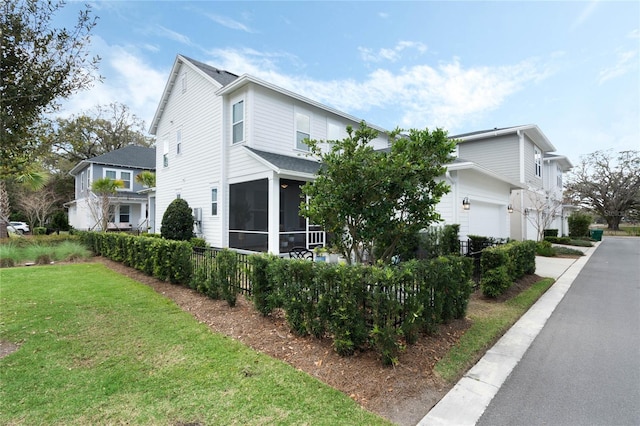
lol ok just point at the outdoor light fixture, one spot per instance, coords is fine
(526, 212)
(284, 186)
(510, 208)
(465, 203)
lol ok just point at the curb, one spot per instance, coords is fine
(465, 403)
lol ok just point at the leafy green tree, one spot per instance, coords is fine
(177, 221)
(370, 198)
(103, 189)
(38, 66)
(607, 184)
(96, 132)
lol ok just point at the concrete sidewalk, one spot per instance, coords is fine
(468, 399)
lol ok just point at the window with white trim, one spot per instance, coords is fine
(537, 159)
(123, 176)
(214, 201)
(124, 213)
(303, 130)
(237, 122)
(165, 151)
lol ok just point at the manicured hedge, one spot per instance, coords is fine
(363, 306)
(502, 265)
(164, 259)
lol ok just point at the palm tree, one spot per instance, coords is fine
(146, 178)
(104, 188)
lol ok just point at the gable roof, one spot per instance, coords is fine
(218, 77)
(284, 163)
(138, 157)
(562, 160)
(531, 130)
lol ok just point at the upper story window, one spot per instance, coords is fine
(303, 130)
(179, 141)
(89, 178)
(559, 175)
(214, 201)
(82, 182)
(537, 159)
(165, 151)
(237, 121)
(124, 176)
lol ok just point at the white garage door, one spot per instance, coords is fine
(487, 220)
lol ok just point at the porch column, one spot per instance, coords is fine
(274, 214)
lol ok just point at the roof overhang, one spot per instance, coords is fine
(562, 160)
(246, 79)
(532, 131)
(470, 165)
(280, 170)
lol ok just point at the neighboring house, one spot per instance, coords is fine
(129, 207)
(520, 154)
(232, 148)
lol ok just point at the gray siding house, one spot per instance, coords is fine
(130, 208)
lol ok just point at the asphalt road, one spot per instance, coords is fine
(584, 366)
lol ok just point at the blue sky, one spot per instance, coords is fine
(570, 67)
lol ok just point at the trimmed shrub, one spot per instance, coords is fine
(579, 225)
(545, 249)
(177, 221)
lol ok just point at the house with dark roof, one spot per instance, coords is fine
(522, 155)
(129, 207)
(232, 147)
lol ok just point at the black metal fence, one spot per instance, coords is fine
(202, 257)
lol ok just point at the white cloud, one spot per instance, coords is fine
(127, 80)
(229, 23)
(173, 35)
(392, 54)
(634, 34)
(442, 96)
(624, 64)
(586, 12)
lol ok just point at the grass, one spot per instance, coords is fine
(99, 348)
(13, 253)
(489, 322)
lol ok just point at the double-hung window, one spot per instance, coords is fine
(123, 176)
(237, 122)
(537, 159)
(303, 130)
(214, 201)
(124, 213)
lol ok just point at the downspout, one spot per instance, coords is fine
(224, 192)
(523, 219)
(454, 184)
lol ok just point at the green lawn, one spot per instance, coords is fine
(99, 348)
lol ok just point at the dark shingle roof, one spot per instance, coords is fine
(221, 76)
(129, 156)
(479, 132)
(285, 162)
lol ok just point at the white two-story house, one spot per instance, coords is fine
(129, 209)
(231, 146)
(522, 154)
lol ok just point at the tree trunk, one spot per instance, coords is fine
(613, 223)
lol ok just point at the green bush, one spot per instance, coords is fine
(198, 242)
(579, 225)
(495, 281)
(177, 221)
(39, 230)
(226, 275)
(60, 221)
(502, 265)
(545, 249)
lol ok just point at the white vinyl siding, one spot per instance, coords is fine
(200, 117)
(178, 141)
(500, 154)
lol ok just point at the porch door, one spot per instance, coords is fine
(293, 227)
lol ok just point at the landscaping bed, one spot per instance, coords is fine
(402, 394)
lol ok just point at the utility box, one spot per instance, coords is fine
(197, 214)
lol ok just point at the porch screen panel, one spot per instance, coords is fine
(249, 215)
